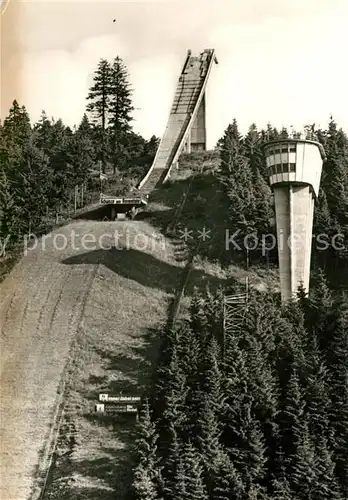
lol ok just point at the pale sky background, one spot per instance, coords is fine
(283, 61)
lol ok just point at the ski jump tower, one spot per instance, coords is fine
(294, 167)
(186, 126)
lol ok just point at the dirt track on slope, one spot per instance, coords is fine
(41, 306)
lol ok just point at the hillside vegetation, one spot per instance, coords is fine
(260, 410)
(256, 412)
(49, 170)
(120, 341)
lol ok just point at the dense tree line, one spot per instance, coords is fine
(260, 413)
(244, 180)
(42, 163)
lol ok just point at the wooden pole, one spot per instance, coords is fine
(100, 175)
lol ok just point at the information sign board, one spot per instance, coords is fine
(119, 399)
(115, 408)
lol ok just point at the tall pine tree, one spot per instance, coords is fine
(121, 109)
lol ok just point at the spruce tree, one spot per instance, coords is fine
(230, 148)
(146, 474)
(81, 152)
(323, 230)
(99, 106)
(237, 182)
(178, 489)
(213, 308)
(121, 109)
(247, 448)
(283, 134)
(99, 94)
(151, 147)
(43, 135)
(279, 484)
(281, 490)
(172, 462)
(327, 486)
(322, 216)
(198, 318)
(320, 312)
(335, 183)
(208, 440)
(226, 481)
(252, 145)
(16, 127)
(263, 389)
(317, 393)
(211, 376)
(235, 386)
(195, 488)
(338, 356)
(292, 414)
(143, 485)
(36, 185)
(61, 170)
(303, 471)
(174, 399)
(263, 203)
(9, 210)
(270, 134)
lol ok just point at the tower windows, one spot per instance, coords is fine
(282, 168)
(285, 167)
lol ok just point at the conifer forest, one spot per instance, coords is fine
(260, 412)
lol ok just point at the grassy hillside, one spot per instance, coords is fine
(205, 206)
(128, 301)
(129, 298)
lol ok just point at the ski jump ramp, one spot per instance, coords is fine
(186, 127)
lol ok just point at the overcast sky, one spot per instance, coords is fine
(283, 61)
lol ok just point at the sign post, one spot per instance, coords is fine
(119, 399)
(117, 405)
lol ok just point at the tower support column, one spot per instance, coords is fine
(294, 169)
(294, 221)
(198, 132)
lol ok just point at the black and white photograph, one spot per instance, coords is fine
(174, 250)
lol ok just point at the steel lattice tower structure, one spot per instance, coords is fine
(234, 310)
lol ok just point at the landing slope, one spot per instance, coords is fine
(42, 308)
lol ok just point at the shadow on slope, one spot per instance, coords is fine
(95, 213)
(135, 369)
(106, 473)
(145, 269)
(107, 477)
(204, 209)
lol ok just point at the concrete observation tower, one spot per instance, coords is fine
(294, 167)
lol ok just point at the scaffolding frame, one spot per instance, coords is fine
(234, 310)
(235, 306)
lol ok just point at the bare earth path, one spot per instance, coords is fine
(41, 304)
(47, 300)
